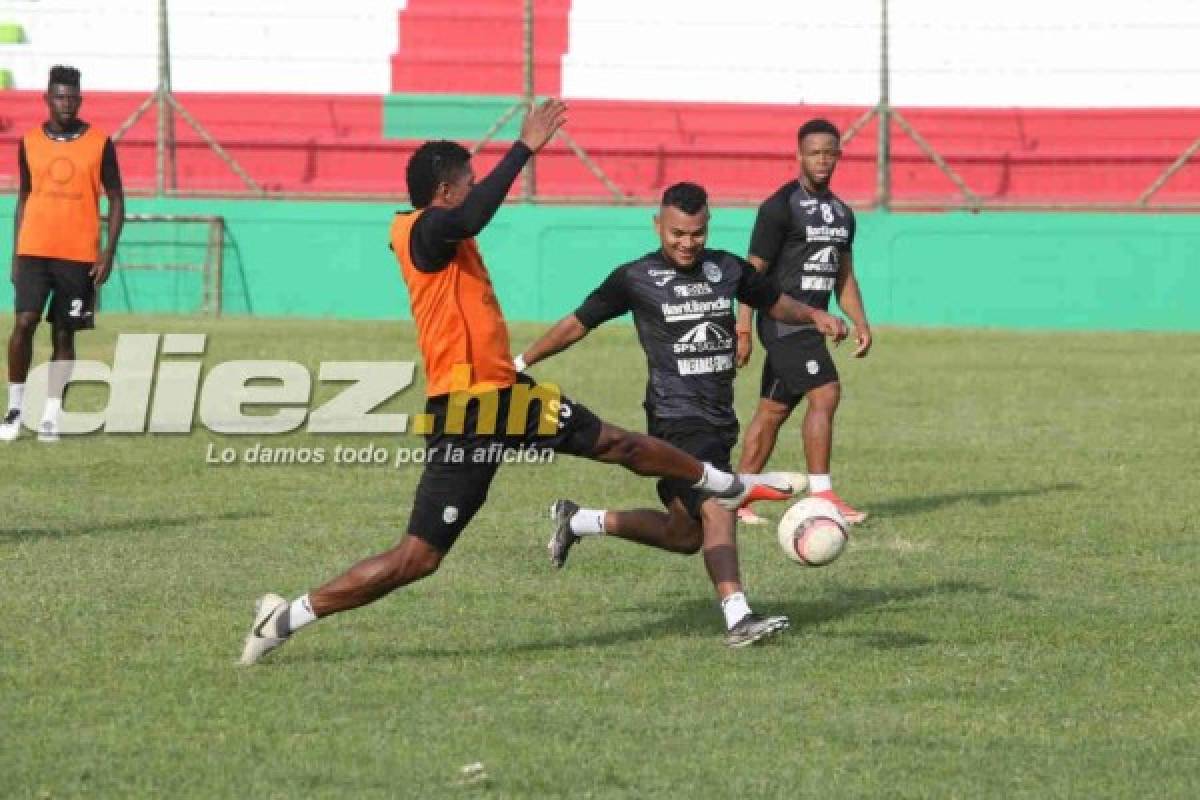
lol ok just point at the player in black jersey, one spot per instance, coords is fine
(803, 237)
(682, 298)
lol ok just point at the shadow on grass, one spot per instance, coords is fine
(698, 618)
(121, 525)
(983, 497)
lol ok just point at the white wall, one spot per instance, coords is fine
(749, 51)
(1052, 53)
(944, 52)
(1046, 53)
(216, 45)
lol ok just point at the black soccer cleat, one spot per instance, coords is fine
(754, 628)
(560, 543)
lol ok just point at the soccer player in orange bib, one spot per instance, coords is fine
(64, 163)
(474, 387)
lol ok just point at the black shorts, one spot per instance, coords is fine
(463, 452)
(68, 284)
(696, 437)
(796, 365)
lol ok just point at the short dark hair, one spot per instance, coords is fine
(690, 198)
(818, 125)
(434, 162)
(67, 76)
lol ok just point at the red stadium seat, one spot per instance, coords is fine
(334, 144)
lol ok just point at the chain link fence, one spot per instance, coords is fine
(897, 155)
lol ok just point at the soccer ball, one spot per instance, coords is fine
(812, 532)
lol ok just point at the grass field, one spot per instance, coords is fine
(1019, 618)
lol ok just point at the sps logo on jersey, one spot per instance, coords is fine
(825, 262)
(707, 337)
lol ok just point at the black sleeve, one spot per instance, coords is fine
(23, 164)
(437, 233)
(755, 289)
(770, 229)
(853, 230)
(110, 173)
(608, 301)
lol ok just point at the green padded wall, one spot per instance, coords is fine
(1014, 270)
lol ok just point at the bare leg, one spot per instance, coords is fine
(63, 362)
(64, 344)
(678, 532)
(645, 455)
(674, 531)
(408, 561)
(720, 549)
(818, 426)
(761, 435)
(20, 346)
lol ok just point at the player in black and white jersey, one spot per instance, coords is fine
(803, 238)
(682, 297)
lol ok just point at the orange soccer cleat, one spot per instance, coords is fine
(851, 515)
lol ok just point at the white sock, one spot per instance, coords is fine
(588, 522)
(820, 483)
(713, 479)
(53, 406)
(16, 396)
(735, 607)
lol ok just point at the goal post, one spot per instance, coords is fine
(167, 264)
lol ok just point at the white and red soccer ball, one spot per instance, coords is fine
(813, 532)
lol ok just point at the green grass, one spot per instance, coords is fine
(1019, 619)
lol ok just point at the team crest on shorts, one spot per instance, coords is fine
(449, 514)
(812, 366)
(712, 272)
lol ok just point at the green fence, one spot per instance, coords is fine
(1059, 271)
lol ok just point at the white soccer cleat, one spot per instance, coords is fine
(265, 634)
(10, 426)
(48, 431)
(751, 488)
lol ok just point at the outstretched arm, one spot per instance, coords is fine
(758, 291)
(607, 301)
(564, 333)
(789, 309)
(482, 202)
(438, 232)
(538, 128)
(850, 300)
